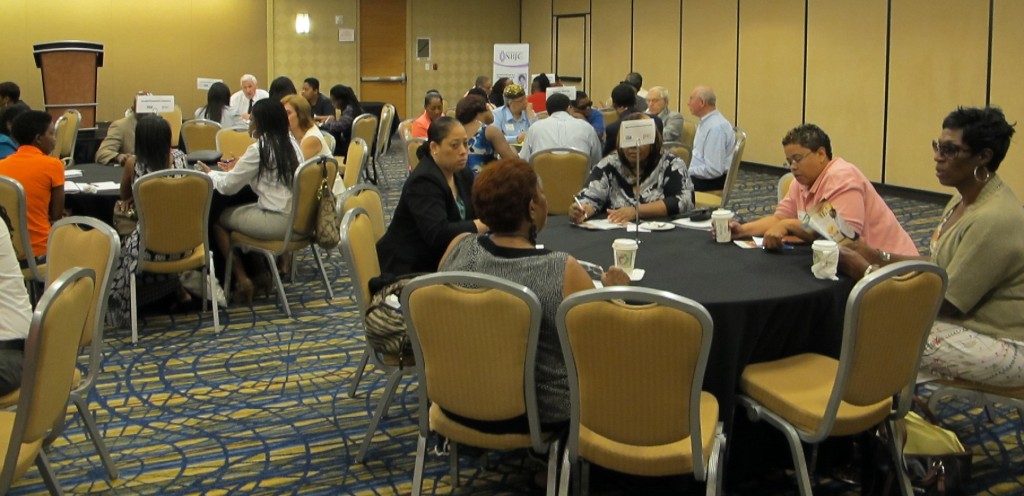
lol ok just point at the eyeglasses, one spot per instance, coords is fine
(790, 162)
(947, 150)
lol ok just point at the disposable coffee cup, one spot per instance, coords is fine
(825, 259)
(624, 250)
(720, 223)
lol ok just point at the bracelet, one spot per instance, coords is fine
(871, 268)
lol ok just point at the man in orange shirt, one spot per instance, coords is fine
(41, 175)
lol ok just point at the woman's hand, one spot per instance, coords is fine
(622, 215)
(579, 214)
(227, 165)
(773, 236)
(615, 276)
(203, 167)
(851, 262)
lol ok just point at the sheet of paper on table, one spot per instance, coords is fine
(754, 242)
(106, 186)
(700, 225)
(71, 187)
(607, 225)
(70, 173)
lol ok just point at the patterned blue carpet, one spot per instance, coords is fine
(262, 408)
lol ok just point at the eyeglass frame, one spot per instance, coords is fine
(948, 150)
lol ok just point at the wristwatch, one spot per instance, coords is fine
(885, 256)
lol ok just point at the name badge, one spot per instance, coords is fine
(510, 127)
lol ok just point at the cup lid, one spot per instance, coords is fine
(624, 243)
(824, 244)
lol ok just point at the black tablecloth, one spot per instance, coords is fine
(765, 305)
(99, 205)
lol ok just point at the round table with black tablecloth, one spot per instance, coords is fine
(100, 204)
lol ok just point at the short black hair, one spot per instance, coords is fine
(810, 137)
(10, 90)
(624, 95)
(481, 80)
(10, 113)
(634, 79)
(312, 82)
(27, 126)
(557, 102)
(983, 128)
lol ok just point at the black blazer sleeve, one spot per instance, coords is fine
(435, 212)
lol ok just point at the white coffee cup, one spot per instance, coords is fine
(825, 259)
(624, 250)
(720, 223)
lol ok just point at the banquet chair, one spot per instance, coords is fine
(721, 198)
(387, 118)
(449, 113)
(233, 141)
(360, 248)
(562, 172)
(476, 366)
(811, 397)
(329, 138)
(12, 198)
(635, 373)
(168, 232)
(302, 221)
(355, 161)
(610, 115)
(66, 131)
(364, 127)
(200, 134)
(174, 119)
(689, 132)
(86, 242)
(981, 396)
(405, 129)
(368, 198)
(784, 183)
(411, 145)
(51, 349)
(678, 149)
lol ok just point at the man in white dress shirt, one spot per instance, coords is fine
(244, 98)
(713, 144)
(561, 130)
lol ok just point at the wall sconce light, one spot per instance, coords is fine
(302, 23)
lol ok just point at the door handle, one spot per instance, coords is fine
(383, 79)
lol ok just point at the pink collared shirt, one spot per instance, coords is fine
(856, 200)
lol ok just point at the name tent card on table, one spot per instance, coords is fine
(638, 132)
(569, 91)
(154, 104)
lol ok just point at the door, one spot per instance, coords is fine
(382, 47)
(570, 58)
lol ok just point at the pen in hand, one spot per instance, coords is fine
(580, 205)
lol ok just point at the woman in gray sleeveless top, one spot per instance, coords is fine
(508, 197)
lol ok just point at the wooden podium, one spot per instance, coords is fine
(69, 77)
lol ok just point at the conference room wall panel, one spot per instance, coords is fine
(317, 54)
(771, 75)
(1007, 75)
(846, 78)
(938, 59)
(709, 52)
(160, 48)
(611, 48)
(566, 7)
(537, 30)
(656, 44)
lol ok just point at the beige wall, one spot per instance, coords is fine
(318, 54)
(536, 30)
(877, 75)
(161, 48)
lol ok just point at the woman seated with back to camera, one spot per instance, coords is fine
(817, 178)
(660, 186)
(979, 333)
(434, 207)
(218, 107)
(267, 166)
(509, 198)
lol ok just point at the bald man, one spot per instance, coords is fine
(713, 144)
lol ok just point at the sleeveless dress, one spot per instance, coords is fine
(481, 151)
(543, 271)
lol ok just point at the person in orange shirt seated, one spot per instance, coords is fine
(432, 109)
(41, 175)
(538, 98)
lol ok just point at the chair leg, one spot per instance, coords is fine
(553, 451)
(796, 450)
(359, 373)
(385, 401)
(211, 290)
(90, 427)
(896, 451)
(135, 310)
(453, 463)
(281, 298)
(563, 482)
(323, 273)
(46, 471)
(716, 464)
(417, 471)
(584, 477)
(227, 275)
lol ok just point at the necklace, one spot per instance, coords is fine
(942, 225)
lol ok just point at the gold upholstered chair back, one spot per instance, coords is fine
(200, 134)
(355, 161)
(366, 197)
(12, 198)
(232, 141)
(562, 172)
(66, 134)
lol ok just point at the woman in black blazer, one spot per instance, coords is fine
(435, 206)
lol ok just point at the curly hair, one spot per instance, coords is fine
(983, 128)
(470, 107)
(502, 193)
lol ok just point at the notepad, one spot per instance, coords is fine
(71, 173)
(71, 187)
(106, 186)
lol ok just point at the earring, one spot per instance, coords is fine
(988, 174)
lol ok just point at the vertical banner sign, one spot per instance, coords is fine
(513, 61)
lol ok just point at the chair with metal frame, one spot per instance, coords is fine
(562, 171)
(635, 376)
(174, 118)
(689, 132)
(359, 245)
(66, 134)
(12, 198)
(383, 143)
(200, 134)
(355, 162)
(51, 350)
(306, 183)
(721, 197)
(367, 197)
(411, 146)
(811, 397)
(471, 364)
(678, 149)
(233, 141)
(169, 232)
(364, 127)
(784, 183)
